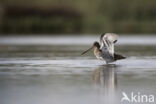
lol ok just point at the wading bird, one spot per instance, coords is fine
(105, 50)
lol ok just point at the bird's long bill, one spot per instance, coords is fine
(86, 50)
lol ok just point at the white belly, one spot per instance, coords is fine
(107, 60)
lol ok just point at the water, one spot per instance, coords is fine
(50, 70)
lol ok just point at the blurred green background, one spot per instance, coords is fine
(77, 16)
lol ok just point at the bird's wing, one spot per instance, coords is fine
(107, 43)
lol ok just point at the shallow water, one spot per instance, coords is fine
(49, 69)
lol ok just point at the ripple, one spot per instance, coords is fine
(73, 66)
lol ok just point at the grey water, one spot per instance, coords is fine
(51, 70)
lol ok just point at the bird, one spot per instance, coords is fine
(105, 49)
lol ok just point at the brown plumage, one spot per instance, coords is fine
(105, 49)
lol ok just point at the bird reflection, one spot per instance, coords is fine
(105, 79)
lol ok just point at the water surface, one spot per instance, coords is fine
(50, 69)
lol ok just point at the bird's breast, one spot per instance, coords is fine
(103, 55)
(97, 53)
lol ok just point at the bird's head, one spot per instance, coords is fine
(95, 45)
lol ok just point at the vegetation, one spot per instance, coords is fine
(77, 16)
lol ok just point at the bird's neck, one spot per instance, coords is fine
(96, 51)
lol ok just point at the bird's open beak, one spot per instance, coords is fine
(86, 50)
